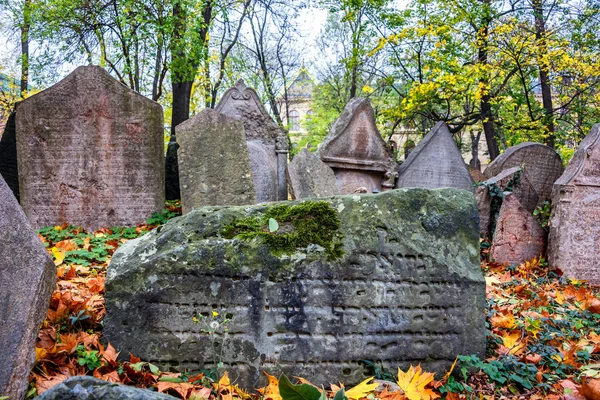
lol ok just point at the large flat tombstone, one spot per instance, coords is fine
(541, 166)
(27, 280)
(392, 277)
(267, 142)
(356, 152)
(574, 244)
(310, 177)
(90, 153)
(214, 166)
(436, 162)
(9, 169)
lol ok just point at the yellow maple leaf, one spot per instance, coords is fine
(271, 391)
(59, 256)
(512, 341)
(413, 383)
(503, 321)
(362, 389)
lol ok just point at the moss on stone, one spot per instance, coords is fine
(300, 225)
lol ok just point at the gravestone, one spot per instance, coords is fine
(267, 142)
(436, 162)
(574, 244)
(356, 152)
(214, 166)
(511, 180)
(90, 153)
(519, 237)
(27, 280)
(310, 177)
(391, 277)
(9, 170)
(541, 166)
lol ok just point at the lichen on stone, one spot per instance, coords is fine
(300, 225)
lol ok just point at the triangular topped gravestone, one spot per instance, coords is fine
(540, 164)
(436, 162)
(90, 153)
(267, 142)
(214, 166)
(356, 152)
(574, 244)
(27, 280)
(9, 169)
(310, 177)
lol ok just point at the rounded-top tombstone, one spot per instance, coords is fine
(541, 165)
(90, 153)
(574, 244)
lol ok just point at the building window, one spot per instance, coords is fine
(294, 121)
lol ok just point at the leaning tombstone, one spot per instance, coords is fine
(267, 142)
(90, 153)
(310, 177)
(518, 237)
(27, 280)
(541, 166)
(309, 288)
(574, 244)
(436, 162)
(214, 166)
(357, 153)
(9, 169)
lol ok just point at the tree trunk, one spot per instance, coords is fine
(25, 47)
(485, 105)
(540, 36)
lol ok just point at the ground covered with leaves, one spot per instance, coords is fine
(543, 337)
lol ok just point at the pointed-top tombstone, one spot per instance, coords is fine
(90, 153)
(574, 244)
(356, 152)
(540, 164)
(436, 162)
(267, 142)
(27, 280)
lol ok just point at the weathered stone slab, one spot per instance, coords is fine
(541, 166)
(267, 142)
(356, 152)
(405, 288)
(88, 388)
(519, 237)
(27, 280)
(214, 165)
(517, 182)
(90, 153)
(436, 162)
(575, 223)
(9, 170)
(484, 205)
(310, 177)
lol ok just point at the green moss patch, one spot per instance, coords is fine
(285, 228)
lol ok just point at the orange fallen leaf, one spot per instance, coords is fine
(413, 382)
(590, 388)
(271, 391)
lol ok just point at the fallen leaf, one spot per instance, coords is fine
(413, 382)
(590, 388)
(362, 389)
(59, 256)
(271, 391)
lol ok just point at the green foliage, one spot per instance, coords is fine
(88, 358)
(160, 218)
(299, 225)
(304, 391)
(543, 212)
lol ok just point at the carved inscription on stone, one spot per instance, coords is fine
(540, 164)
(436, 162)
(356, 152)
(391, 297)
(90, 153)
(574, 243)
